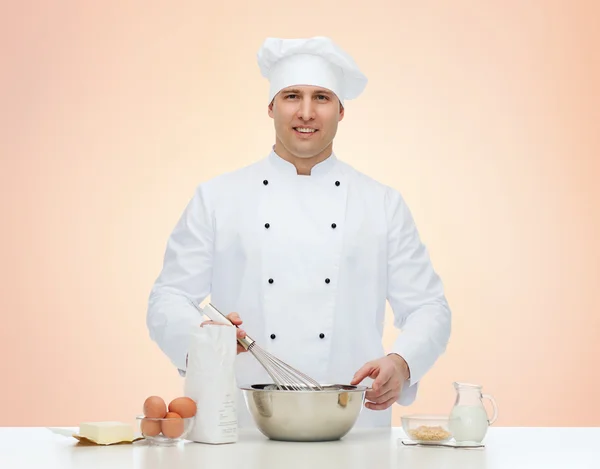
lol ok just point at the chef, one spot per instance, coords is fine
(302, 250)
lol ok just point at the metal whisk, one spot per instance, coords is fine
(283, 375)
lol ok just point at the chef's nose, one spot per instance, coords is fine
(306, 109)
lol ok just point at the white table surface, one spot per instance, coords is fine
(505, 447)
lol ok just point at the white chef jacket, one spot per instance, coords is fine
(308, 263)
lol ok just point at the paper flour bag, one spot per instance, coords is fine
(210, 381)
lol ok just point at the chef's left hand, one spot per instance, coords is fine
(389, 374)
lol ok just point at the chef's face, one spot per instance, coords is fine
(306, 120)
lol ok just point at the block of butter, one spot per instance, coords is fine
(106, 433)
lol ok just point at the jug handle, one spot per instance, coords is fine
(495, 407)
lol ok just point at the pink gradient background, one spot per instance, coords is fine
(485, 115)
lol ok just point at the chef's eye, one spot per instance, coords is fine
(290, 95)
(322, 96)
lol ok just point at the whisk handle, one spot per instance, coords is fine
(215, 315)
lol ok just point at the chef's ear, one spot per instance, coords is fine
(341, 112)
(270, 108)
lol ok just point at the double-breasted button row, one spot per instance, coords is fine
(266, 182)
(327, 280)
(268, 225)
(321, 336)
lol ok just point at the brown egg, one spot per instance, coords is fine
(155, 407)
(173, 427)
(183, 406)
(150, 427)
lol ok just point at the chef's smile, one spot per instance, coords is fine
(305, 132)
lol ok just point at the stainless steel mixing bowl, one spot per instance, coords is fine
(304, 415)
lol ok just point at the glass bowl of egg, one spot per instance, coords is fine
(164, 425)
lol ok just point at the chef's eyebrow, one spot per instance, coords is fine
(297, 91)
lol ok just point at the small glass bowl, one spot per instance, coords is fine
(425, 428)
(153, 429)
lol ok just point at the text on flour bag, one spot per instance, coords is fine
(210, 382)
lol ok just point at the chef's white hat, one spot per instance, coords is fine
(315, 61)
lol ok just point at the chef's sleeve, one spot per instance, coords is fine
(416, 296)
(186, 275)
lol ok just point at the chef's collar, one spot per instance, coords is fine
(284, 166)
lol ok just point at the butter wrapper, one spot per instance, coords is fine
(86, 441)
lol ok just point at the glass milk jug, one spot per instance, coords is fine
(469, 419)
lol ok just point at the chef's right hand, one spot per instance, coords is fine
(236, 321)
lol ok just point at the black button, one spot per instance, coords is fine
(267, 226)
(337, 183)
(265, 182)
(333, 225)
(270, 280)
(321, 335)
(272, 336)
(327, 280)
